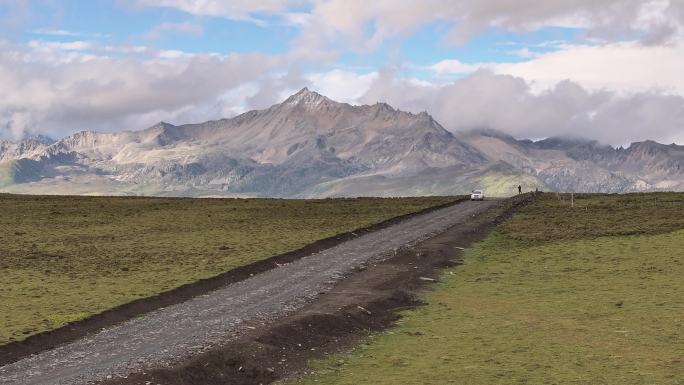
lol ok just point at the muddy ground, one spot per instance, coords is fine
(368, 300)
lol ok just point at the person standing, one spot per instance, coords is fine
(519, 189)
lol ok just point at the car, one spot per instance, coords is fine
(477, 195)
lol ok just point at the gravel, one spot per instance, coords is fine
(168, 335)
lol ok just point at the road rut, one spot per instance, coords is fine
(171, 334)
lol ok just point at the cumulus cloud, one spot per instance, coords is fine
(601, 18)
(622, 83)
(363, 25)
(58, 92)
(623, 66)
(455, 67)
(508, 104)
(275, 88)
(340, 85)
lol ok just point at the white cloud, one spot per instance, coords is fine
(173, 54)
(626, 67)
(301, 19)
(337, 84)
(507, 103)
(18, 123)
(57, 51)
(363, 25)
(184, 28)
(340, 85)
(454, 66)
(128, 49)
(525, 53)
(58, 45)
(615, 86)
(58, 92)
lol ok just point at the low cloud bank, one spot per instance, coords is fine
(509, 104)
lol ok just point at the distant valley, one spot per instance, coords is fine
(312, 146)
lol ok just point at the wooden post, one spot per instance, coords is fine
(572, 199)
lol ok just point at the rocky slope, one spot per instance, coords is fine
(310, 145)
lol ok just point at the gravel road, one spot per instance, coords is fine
(169, 334)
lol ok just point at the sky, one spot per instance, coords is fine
(608, 70)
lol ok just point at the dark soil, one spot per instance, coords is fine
(366, 301)
(15, 351)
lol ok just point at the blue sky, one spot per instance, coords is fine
(121, 24)
(567, 67)
(116, 24)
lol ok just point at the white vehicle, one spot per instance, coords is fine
(477, 195)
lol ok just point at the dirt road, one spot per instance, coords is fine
(173, 334)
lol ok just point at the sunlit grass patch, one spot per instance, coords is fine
(595, 215)
(546, 300)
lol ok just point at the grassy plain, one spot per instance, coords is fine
(556, 295)
(66, 258)
(5, 174)
(499, 184)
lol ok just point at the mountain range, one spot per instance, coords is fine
(312, 146)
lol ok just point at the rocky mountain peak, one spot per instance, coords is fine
(39, 138)
(384, 106)
(646, 145)
(308, 98)
(30, 138)
(162, 125)
(649, 149)
(310, 145)
(29, 146)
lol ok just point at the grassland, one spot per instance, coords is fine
(65, 258)
(557, 295)
(499, 184)
(6, 174)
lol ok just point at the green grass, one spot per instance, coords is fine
(65, 258)
(6, 178)
(497, 184)
(590, 295)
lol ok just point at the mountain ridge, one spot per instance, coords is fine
(312, 146)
